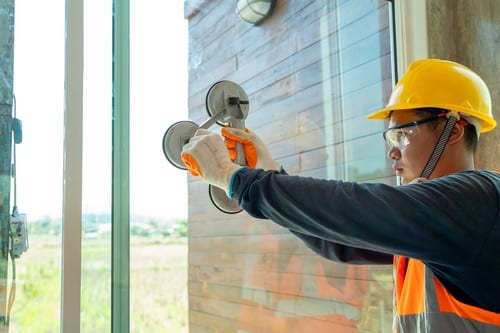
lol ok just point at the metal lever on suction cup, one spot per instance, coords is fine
(232, 100)
(227, 105)
(238, 122)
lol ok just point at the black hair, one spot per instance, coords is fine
(470, 135)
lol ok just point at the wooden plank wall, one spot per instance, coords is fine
(312, 72)
(469, 33)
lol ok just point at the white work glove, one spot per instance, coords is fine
(256, 153)
(205, 155)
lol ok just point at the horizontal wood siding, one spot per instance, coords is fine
(313, 71)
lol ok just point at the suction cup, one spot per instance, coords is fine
(222, 202)
(230, 99)
(227, 105)
(175, 137)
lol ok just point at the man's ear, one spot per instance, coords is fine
(457, 133)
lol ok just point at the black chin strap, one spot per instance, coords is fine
(438, 149)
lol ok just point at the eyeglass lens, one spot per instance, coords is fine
(398, 136)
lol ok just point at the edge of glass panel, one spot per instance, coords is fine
(120, 256)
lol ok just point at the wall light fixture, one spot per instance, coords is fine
(254, 11)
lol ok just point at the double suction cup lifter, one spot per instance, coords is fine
(227, 105)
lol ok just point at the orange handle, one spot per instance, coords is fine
(248, 147)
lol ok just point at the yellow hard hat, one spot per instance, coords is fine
(443, 84)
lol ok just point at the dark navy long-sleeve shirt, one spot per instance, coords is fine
(452, 223)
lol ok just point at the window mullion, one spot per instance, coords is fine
(120, 274)
(72, 169)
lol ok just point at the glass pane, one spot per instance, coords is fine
(39, 90)
(313, 71)
(158, 192)
(96, 173)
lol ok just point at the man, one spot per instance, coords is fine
(441, 231)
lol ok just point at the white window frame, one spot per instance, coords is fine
(410, 17)
(72, 171)
(71, 248)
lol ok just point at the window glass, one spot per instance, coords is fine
(357, 72)
(95, 303)
(313, 71)
(158, 192)
(312, 74)
(159, 195)
(35, 277)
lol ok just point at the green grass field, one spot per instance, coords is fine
(158, 286)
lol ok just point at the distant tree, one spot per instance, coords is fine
(182, 229)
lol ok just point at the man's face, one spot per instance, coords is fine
(410, 144)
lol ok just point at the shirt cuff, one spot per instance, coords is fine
(231, 182)
(233, 176)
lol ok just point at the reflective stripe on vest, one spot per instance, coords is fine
(422, 304)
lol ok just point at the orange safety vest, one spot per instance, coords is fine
(422, 304)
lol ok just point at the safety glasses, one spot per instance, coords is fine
(399, 136)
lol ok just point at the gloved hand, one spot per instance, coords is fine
(205, 155)
(256, 153)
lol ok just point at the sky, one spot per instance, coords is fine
(158, 98)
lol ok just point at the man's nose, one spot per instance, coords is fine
(394, 153)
